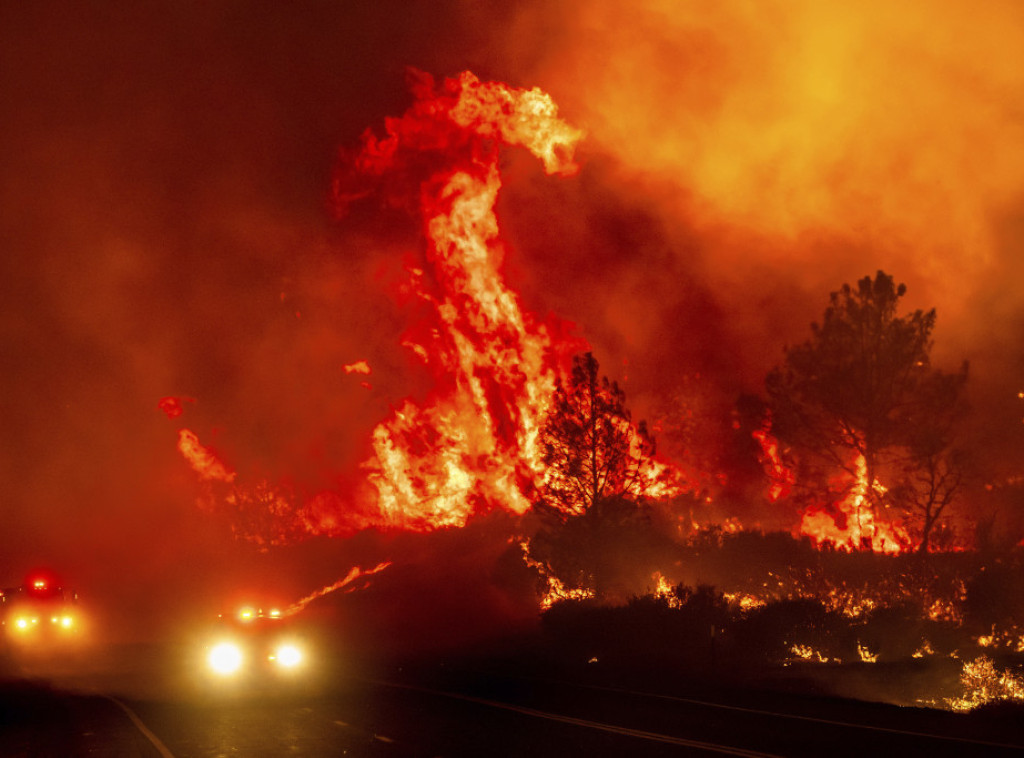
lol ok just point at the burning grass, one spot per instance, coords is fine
(983, 683)
(908, 629)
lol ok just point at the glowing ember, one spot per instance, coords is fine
(1007, 639)
(359, 367)
(202, 459)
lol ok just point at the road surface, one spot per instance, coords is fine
(134, 703)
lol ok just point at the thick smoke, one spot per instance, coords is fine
(754, 157)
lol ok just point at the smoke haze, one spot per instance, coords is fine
(166, 230)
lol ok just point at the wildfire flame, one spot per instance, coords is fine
(475, 446)
(555, 590)
(345, 581)
(851, 524)
(983, 683)
(847, 524)
(780, 476)
(663, 591)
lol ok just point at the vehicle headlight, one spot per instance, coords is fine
(66, 622)
(225, 658)
(288, 656)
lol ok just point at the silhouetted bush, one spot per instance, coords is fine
(901, 632)
(995, 595)
(768, 634)
(648, 628)
(819, 605)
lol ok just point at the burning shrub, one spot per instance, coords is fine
(983, 683)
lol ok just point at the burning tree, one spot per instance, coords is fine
(859, 401)
(599, 465)
(592, 451)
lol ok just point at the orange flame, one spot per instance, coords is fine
(850, 523)
(556, 590)
(780, 476)
(475, 446)
(345, 581)
(854, 526)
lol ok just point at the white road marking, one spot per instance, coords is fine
(797, 717)
(625, 731)
(153, 739)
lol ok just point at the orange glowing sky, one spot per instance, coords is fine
(833, 137)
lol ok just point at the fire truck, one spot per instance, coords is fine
(39, 612)
(253, 645)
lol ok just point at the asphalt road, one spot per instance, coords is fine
(141, 702)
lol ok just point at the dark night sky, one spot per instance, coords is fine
(165, 225)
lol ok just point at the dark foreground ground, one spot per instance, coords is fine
(145, 700)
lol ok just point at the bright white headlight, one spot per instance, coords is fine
(225, 658)
(288, 656)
